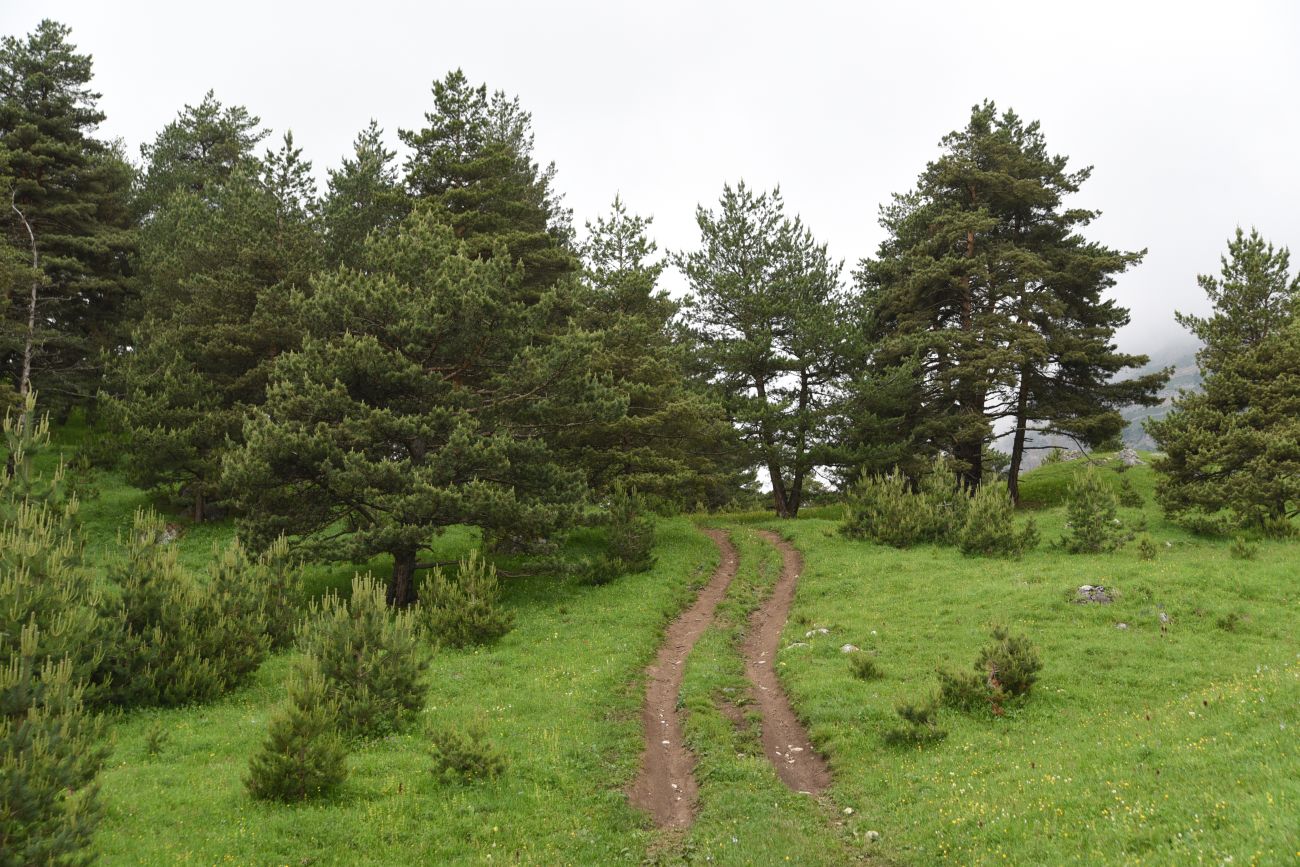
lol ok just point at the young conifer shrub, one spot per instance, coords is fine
(919, 724)
(464, 610)
(864, 667)
(888, 509)
(1010, 662)
(631, 532)
(1128, 496)
(303, 755)
(990, 526)
(1091, 516)
(464, 756)
(370, 656)
(282, 582)
(181, 640)
(1243, 550)
(1146, 548)
(51, 750)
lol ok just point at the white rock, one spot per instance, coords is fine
(849, 648)
(848, 811)
(873, 836)
(1121, 626)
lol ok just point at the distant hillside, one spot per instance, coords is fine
(1182, 358)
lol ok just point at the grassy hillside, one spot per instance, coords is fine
(1167, 740)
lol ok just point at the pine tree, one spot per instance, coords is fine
(1229, 451)
(370, 656)
(220, 266)
(303, 755)
(474, 160)
(674, 440)
(45, 582)
(51, 750)
(65, 213)
(770, 314)
(205, 145)
(416, 402)
(986, 292)
(365, 195)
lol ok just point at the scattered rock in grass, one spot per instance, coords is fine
(1129, 457)
(1093, 593)
(873, 836)
(848, 811)
(796, 644)
(1121, 626)
(820, 630)
(850, 648)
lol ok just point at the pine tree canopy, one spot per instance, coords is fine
(986, 289)
(1232, 450)
(64, 217)
(419, 399)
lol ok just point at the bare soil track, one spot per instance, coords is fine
(665, 787)
(785, 741)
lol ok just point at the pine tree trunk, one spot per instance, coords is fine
(1018, 443)
(200, 505)
(401, 588)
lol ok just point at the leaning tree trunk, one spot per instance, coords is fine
(29, 339)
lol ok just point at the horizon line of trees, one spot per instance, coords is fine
(430, 343)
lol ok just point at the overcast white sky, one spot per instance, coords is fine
(1187, 110)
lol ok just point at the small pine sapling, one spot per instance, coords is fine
(303, 755)
(464, 756)
(464, 610)
(990, 526)
(919, 724)
(1091, 512)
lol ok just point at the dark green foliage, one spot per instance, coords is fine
(415, 403)
(51, 749)
(1146, 548)
(371, 657)
(1229, 457)
(890, 510)
(1093, 525)
(1007, 667)
(279, 573)
(773, 324)
(1230, 622)
(986, 293)
(465, 609)
(1243, 550)
(364, 195)
(673, 443)
(1010, 662)
(203, 147)
(67, 232)
(473, 162)
(965, 690)
(990, 526)
(220, 264)
(864, 667)
(919, 724)
(303, 755)
(155, 738)
(1128, 496)
(630, 532)
(464, 756)
(181, 640)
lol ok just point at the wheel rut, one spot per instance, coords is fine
(785, 740)
(665, 786)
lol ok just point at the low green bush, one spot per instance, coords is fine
(919, 724)
(864, 667)
(990, 526)
(464, 756)
(1093, 525)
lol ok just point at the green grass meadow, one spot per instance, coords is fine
(1170, 740)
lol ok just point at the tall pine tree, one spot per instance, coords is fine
(770, 314)
(474, 160)
(988, 295)
(220, 264)
(418, 400)
(1231, 452)
(65, 215)
(674, 442)
(364, 195)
